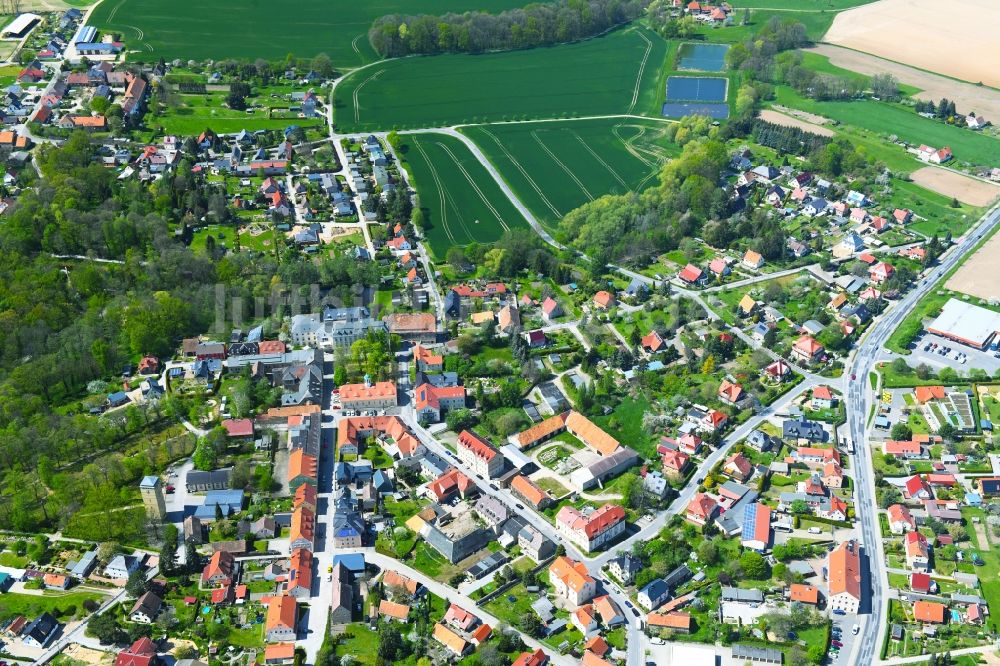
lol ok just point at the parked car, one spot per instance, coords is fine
(837, 611)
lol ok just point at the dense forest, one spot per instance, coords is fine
(541, 24)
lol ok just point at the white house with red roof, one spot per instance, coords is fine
(691, 274)
(701, 509)
(738, 467)
(900, 519)
(916, 488)
(902, 215)
(479, 454)
(551, 309)
(917, 551)
(719, 267)
(731, 393)
(591, 531)
(652, 343)
(778, 370)
(753, 260)
(713, 421)
(674, 462)
(822, 398)
(880, 272)
(807, 349)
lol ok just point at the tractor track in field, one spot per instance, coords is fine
(566, 169)
(642, 67)
(600, 160)
(475, 186)
(440, 188)
(527, 177)
(357, 108)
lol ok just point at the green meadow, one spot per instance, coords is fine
(612, 74)
(554, 167)
(460, 201)
(895, 119)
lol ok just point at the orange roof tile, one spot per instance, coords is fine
(393, 609)
(524, 487)
(281, 612)
(450, 639)
(806, 594)
(845, 570)
(929, 611)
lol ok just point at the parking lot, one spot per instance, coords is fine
(973, 358)
(843, 623)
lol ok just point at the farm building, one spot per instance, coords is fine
(21, 26)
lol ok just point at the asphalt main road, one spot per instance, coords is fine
(860, 398)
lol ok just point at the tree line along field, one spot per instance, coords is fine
(459, 200)
(895, 119)
(554, 167)
(251, 29)
(611, 74)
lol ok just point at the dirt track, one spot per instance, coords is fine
(956, 39)
(964, 188)
(778, 118)
(979, 276)
(967, 97)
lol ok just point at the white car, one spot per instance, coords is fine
(855, 629)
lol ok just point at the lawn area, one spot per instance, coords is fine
(360, 642)
(512, 611)
(189, 29)
(989, 574)
(378, 457)
(625, 425)
(557, 167)
(31, 605)
(990, 404)
(461, 202)
(887, 118)
(197, 112)
(552, 486)
(9, 559)
(940, 217)
(430, 562)
(611, 74)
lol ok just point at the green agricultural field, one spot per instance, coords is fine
(461, 202)
(196, 30)
(558, 166)
(886, 119)
(612, 74)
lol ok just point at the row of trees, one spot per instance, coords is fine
(540, 24)
(943, 109)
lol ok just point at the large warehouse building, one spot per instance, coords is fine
(20, 26)
(967, 324)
